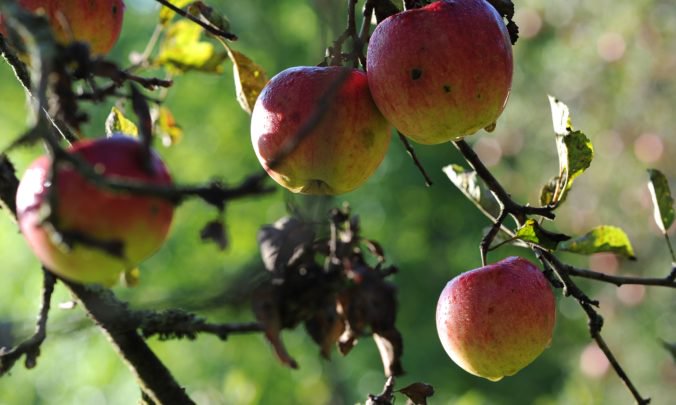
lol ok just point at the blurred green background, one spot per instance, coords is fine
(613, 63)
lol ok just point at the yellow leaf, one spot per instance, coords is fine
(167, 127)
(182, 50)
(166, 14)
(117, 123)
(250, 78)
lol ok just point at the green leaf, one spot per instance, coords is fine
(208, 14)
(662, 199)
(166, 14)
(167, 128)
(117, 123)
(532, 232)
(250, 78)
(604, 238)
(474, 189)
(183, 50)
(575, 152)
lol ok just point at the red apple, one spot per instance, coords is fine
(342, 150)
(140, 223)
(443, 71)
(495, 320)
(96, 22)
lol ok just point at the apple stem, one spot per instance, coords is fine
(411, 153)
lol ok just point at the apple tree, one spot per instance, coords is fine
(274, 223)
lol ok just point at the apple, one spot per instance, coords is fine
(139, 223)
(96, 22)
(495, 320)
(443, 71)
(341, 151)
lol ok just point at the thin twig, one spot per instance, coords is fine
(31, 346)
(620, 280)
(178, 324)
(411, 153)
(516, 210)
(207, 27)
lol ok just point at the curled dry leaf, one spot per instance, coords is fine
(250, 78)
(265, 308)
(418, 392)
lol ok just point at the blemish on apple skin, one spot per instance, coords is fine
(416, 73)
(447, 88)
(368, 137)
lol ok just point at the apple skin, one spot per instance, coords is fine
(140, 223)
(495, 320)
(341, 152)
(443, 71)
(96, 22)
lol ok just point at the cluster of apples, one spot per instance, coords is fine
(438, 73)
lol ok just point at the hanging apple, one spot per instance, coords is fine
(98, 233)
(495, 320)
(443, 71)
(341, 151)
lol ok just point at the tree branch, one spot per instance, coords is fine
(411, 153)
(31, 346)
(178, 324)
(210, 28)
(620, 280)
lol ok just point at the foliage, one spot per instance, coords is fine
(611, 64)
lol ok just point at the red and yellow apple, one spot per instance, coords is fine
(92, 216)
(443, 71)
(495, 320)
(344, 147)
(96, 22)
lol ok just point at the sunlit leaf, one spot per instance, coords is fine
(183, 50)
(166, 14)
(117, 123)
(208, 14)
(575, 152)
(532, 232)
(471, 185)
(250, 78)
(560, 117)
(663, 202)
(167, 128)
(604, 238)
